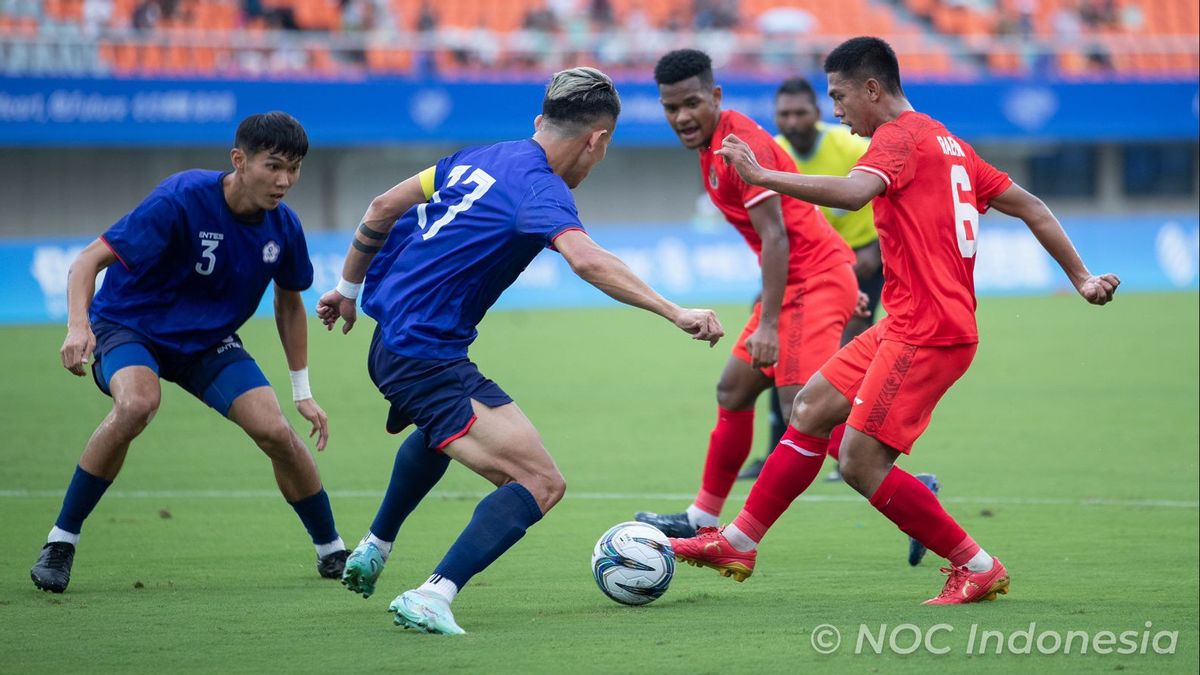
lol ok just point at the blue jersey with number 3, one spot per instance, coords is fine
(446, 261)
(190, 272)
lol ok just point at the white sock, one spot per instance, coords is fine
(980, 562)
(738, 539)
(439, 584)
(385, 547)
(700, 518)
(332, 547)
(59, 534)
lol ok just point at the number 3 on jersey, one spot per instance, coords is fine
(966, 216)
(206, 266)
(479, 178)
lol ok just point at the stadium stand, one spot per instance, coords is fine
(484, 38)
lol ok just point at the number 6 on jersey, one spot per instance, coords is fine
(966, 216)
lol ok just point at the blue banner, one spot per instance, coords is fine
(99, 112)
(1150, 253)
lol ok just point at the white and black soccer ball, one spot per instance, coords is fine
(633, 563)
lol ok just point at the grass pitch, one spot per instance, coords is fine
(1070, 450)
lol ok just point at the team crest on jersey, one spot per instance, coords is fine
(270, 252)
(712, 176)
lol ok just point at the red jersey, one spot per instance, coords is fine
(928, 222)
(813, 245)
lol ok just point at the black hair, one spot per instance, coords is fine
(681, 64)
(580, 97)
(797, 86)
(276, 132)
(862, 58)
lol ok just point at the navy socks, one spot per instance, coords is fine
(83, 494)
(416, 470)
(499, 521)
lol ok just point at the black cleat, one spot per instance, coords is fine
(916, 550)
(675, 525)
(752, 470)
(52, 571)
(332, 565)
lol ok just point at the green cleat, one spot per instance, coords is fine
(426, 612)
(363, 568)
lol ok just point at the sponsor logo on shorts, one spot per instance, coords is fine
(227, 344)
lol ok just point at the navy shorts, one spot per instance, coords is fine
(434, 395)
(217, 375)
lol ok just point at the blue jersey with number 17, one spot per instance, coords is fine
(446, 261)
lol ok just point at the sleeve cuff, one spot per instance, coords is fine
(556, 235)
(759, 198)
(872, 170)
(114, 252)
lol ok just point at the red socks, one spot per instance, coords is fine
(728, 448)
(835, 441)
(918, 513)
(789, 471)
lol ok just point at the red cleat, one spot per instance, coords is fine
(965, 586)
(710, 548)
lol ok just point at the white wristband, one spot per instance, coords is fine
(300, 387)
(348, 290)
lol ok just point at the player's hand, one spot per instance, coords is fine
(701, 324)
(763, 345)
(77, 348)
(320, 421)
(1099, 290)
(737, 154)
(862, 308)
(334, 305)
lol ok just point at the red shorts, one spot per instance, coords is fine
(894, 386)
(811, 321)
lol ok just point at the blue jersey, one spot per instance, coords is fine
(191, 272)
(493, 209)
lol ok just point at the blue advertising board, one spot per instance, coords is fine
(108, 112)
(1150, 253)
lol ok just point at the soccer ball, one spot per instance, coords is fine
(633, 563)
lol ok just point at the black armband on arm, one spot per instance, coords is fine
(371, 233)
(369, 249)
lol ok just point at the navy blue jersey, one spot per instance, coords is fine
(493, 209)
(191, 272)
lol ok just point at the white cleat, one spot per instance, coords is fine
(427, 612)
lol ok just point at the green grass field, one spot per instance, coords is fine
(1070, 450)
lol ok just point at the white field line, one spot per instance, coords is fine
(610, 496)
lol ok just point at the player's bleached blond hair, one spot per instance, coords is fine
(579, 97)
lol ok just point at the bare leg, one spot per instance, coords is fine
(136, 394)
(257, 413)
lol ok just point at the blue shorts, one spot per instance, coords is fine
(434, 395)
(217, 375)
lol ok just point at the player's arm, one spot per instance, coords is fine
(291, 320)
(840, 192)
(767, 219)
(81, 287)
(369, 238)
(1019, 203)
(608, 273)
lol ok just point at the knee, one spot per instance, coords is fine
(275, 438)
(731, 397)
(814, 416)
(135, 410)
(548, 489)
(864, 474)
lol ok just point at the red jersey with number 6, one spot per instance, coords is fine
(928, 222)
